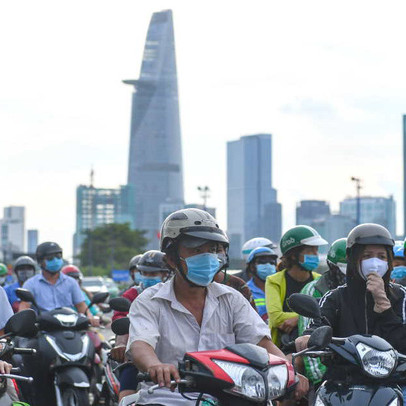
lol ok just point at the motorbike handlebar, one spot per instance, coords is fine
(28, 379)
(24, 351)
(143, 376)
(15, 370)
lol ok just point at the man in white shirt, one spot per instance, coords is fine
(190, 312)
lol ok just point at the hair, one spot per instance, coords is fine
(291, 258)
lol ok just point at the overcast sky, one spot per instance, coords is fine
(326, 78)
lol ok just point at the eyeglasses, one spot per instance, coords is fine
(50, 257)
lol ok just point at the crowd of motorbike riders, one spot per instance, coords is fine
(183, 299)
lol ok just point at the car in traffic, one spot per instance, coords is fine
(94, 284)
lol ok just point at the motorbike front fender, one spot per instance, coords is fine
(337, 394)
(72, 376)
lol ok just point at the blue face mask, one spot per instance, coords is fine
(54, 265)
(264, 270)
(202, 268)
(147, 282)
(310, 262)
(398, 272)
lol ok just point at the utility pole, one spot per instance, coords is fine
(204, 194)
(358, 187)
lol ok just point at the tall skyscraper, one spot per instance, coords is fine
(32, 241)
(98, 206)
(155, 158)
(252, 207)
(12, 231)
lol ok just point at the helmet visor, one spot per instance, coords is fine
(314, 241)
(205, 233)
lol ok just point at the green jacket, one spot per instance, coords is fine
(275, 292)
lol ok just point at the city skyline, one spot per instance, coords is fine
(334, 102)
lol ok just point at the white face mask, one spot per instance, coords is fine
(374, 265)
(342, 267)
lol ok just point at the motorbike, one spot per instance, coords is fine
(22, 324)
(238, 375)
(112, 368)
(362, 369)
(65, 358)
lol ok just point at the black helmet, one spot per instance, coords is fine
(369, 233)
(24, 261)
(194, 225)
(152, 261)
(134, 261)
(47, 248)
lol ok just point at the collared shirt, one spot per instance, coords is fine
(259, 298)
(6, 310)
(64, 293)
(160, 320)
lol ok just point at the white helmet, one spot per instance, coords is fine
(255, 243)
(194, 223)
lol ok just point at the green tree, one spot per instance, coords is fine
(111, 246)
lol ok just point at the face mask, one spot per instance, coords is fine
(148, 281)
(374, 265)
(137, 277)
(342, 267)
(398, 272)
(264, 270)
(22, 276)
(54, 265)
(2, 280)
(202, 268)
(223, 260)
(310, 262)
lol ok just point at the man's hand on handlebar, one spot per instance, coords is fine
(302, 387)
(163, 374)
(117, 353)
(5, 367)
(301, 343)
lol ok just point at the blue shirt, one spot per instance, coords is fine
(11, 292)
(64, 293)
(5, 309)
(259, 297)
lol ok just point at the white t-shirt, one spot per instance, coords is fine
(158, 319)
(5, 308)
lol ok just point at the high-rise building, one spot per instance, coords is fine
(252, 207)
(96, 207)
(155, 158)
(310, 211)
(380, 210)
(32, 241)
(12, 227)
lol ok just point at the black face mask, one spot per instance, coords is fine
(25, 274)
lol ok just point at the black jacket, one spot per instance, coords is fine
(350, 310)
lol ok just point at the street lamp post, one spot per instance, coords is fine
(358, 187)
(204, 193)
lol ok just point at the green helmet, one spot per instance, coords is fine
(300, 235)
(3, 270)
(337, 252)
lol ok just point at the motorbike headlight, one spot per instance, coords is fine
(247, 381)
(277, 380)
(378, 364)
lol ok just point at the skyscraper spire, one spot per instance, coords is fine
(155, 158)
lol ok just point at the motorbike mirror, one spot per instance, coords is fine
(104, 307)
(320, 338)
(25, 295)
(121, 326)
(120, 304)
(100, 297)
(22, 324)
(304, 305)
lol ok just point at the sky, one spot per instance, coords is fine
(325, 78)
